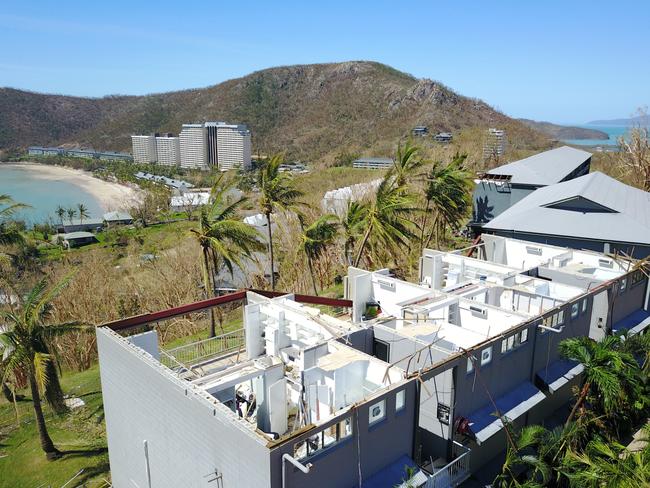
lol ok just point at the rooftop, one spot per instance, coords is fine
(544, 168)
(593, 206)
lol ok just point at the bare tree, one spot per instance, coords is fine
(634, 153)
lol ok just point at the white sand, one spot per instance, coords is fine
(110, 196)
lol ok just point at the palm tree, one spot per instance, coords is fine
(448, 196)
(277, 192)
(223, 239)
(25, 343)
(60, 212)
(82, 210)
(315, 238)
(9, 207)
(605, 371)
(609, 464)
(10, 234)
(351, 224)
(406, 162)
(386, 217)
(71, 212)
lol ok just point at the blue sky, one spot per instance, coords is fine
(563, 61)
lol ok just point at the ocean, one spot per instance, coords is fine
(44, 195)
(614, 134)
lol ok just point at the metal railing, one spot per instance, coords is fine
(454, 473)
(189, 355)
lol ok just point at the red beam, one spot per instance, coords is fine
(148, 318)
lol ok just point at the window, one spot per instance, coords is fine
(575, 310)
(320, 441)
(584, 305)
(400, 400)
(345, 428)
(486, 356)
(537, 251)
(377, 412)
(381, 350)
(637, 277)
(470, 364)
(605, 263)
(560, 317)
(514, 341)
(623, 285)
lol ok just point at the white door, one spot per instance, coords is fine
(597, 328)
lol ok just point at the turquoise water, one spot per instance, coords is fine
(44, 195)
(614, 134)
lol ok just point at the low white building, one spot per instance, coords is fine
(337, 201)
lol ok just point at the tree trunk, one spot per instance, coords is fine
(47, 445)
(424, 226)
(268, 223)
(311, 272)
(363, 244)
(583, 395)
(207, 284)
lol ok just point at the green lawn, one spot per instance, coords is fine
(80, 434)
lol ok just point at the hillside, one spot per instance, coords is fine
(561, 132)
(310, 111)
(629, 122)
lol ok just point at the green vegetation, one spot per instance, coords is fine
(79, 435)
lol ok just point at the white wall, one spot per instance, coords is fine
(188, 435)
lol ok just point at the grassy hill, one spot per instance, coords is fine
(565, 132)
(313, 112)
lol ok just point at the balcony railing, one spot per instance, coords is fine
(454, 473)
(190, 355)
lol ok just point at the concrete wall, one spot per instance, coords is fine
(187, 436)
(369, 449)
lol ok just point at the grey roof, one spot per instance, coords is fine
(77, 235)
(544, 168)
(110, 216)
(625, 218)
(85, 222)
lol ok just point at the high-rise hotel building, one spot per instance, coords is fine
(144, 149)
(194, 146)
(229, 146)
(198, 146)
(168, 149)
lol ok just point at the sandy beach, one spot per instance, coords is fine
(110, 196)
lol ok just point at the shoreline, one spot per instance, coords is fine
(109, 195)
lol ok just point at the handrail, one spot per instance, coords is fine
(453, 473)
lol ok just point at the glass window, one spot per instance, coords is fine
(584, 305)
(623, 284)
(504, 345)
(400, 400)
(345, 428)
(511, 342)
(377, 412)
(486, 356)
(329, 436)
(300, 450)
(524, 335)
(470, 364)
(575, 310)
(314, 444)
(560, 317)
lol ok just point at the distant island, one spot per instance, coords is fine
(562, 132)
(639, 119)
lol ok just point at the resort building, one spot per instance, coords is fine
(500, 188)
(495, 144)
(593, 211)
(144, 149)
(415, 375)
(193, 147)
(443, 137)
(372, 163)
(168, 150)
(79, 153)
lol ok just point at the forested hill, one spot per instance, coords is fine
(309, 111)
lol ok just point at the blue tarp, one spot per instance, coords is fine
(631, 321)
(485, 416)
(556, 370)
(392, 475)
